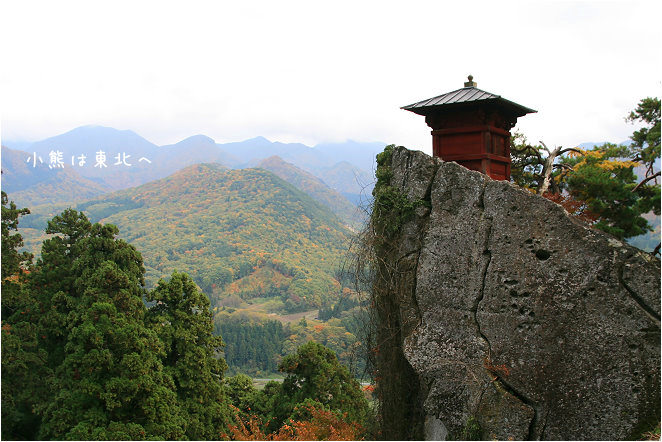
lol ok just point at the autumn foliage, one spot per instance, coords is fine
(322, 425)
(575, 208)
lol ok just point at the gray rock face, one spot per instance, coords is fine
(528, 321)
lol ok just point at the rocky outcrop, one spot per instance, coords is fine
(517, 319)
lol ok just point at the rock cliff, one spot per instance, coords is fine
(511, 319)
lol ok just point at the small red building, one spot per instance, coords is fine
(472, 128)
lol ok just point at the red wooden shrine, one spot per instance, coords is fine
(472, 128)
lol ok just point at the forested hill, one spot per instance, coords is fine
(236, 232)
(316, 188)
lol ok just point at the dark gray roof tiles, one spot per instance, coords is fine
(464, 95)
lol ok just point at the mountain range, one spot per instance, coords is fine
(132, 160)
(338, 175)
(262, 250)
(261, 226)
(235, 231)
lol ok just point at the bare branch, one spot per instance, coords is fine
(645, 181)
(530, 149)
(536, 152)
(570, 149)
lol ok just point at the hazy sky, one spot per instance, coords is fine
(311, 71)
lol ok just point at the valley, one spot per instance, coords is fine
(264, 252)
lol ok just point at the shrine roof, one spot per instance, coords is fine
(467, 95)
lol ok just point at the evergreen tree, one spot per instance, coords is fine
(24, 372)
(250, 346)
(183, 321)
(606, 183)
(246, 400)
(13, 261)
(599, 185)
(645, 145)
(110, 382)
(25, 379)
(314, 373)
(52, 282)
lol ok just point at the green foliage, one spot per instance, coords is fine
(314, 187)
(243, 236)
(62, 189)
(251, 346)
(315, 379)
(471, 430)
(244, 232)
(391, 208)
(314, 373)
(646, 141)
(381, 275)
(244, 397)
(83, 359)
(182, 321)
(346, 302)
(109, 381)
(333, 335)
(24, 375)
(601, 182)
(102, 366)
(606, 183)
(24, 370)
(256, 343)
(240, 389)
(12, 260)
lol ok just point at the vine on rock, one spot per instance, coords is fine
(388, 280)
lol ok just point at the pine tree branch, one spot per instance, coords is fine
(644, 181)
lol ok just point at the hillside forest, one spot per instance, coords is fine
(88, 360)
(216, 302)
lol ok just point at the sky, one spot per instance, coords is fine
(313, 72)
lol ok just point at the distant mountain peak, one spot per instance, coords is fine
(259, 139)
(97, 128)
(274, 159)
(197, 139)
(89, 139)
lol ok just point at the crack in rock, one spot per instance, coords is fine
(581, 359)
(652, 314)
(537, 409)
(486, 257)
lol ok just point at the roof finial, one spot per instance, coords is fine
(471, 82)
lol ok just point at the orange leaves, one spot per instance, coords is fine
(576, 208)
(600, 158)
(577, 153)
(322, 425)
(612, 165)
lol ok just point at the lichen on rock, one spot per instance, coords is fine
(510, 312)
